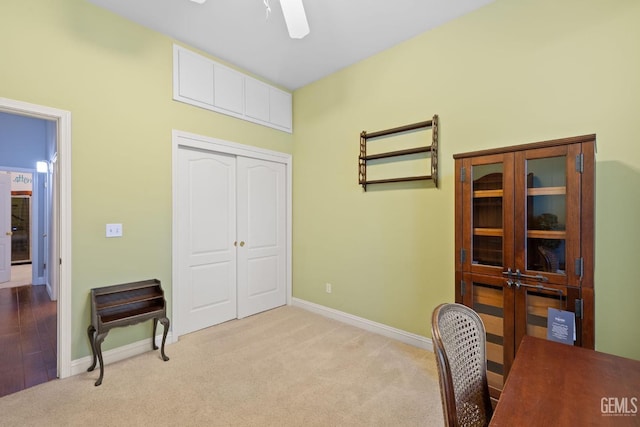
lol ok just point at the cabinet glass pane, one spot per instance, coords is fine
(487, 214)
(20, 226)
(488, 302)
(546, 214)
(537, 304)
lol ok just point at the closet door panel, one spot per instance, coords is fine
(206, 233)
(262, 236)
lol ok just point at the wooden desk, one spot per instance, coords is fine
(552, 384)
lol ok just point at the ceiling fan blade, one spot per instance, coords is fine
(296, 19)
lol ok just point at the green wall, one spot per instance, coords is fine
(116, 79)
(512, 72)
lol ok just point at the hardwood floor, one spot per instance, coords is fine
(28, 342)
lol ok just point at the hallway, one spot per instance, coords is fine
(27, 338)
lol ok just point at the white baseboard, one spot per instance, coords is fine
(81, 365)
(368, 325)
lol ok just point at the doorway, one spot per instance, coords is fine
(231, 231)
(58, 248)
(19, 226)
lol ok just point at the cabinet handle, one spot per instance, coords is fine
(518, 274)
(538, 277)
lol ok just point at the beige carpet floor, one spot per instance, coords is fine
(284, 367)
(20, 276)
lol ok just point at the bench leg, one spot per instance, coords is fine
(91, 331)
(153, 335)
(98, 344)
(165, 323)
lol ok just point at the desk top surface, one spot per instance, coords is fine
(557, 384)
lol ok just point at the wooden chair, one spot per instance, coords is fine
(459, 343)
(550, 259)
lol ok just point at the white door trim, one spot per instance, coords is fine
(63, 122)
(190, 140)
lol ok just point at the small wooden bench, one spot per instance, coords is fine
(124, 305)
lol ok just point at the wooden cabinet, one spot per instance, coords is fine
(524, 242)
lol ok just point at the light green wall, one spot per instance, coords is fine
(510, 73)
(116, 79)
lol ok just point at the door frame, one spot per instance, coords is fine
(215, 145)
(62, 119)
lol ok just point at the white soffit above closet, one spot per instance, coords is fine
(342, 32)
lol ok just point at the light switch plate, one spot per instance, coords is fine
(114, 230)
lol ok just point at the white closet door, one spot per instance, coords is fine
(262, 228)
(206, 235)
(5, 227)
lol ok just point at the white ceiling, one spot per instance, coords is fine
(343, 32)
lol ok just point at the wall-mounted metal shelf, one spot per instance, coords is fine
(433, 149)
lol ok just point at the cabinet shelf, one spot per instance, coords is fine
(480, 194)
(547, 191)
(481, 231)
(433, 149)
(546, 234)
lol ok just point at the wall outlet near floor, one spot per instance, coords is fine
(327, 287)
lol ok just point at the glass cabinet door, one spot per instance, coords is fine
(549, 227)
(487, 215)
(491, 194)
(546, 216)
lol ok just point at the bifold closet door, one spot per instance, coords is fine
(261, 196)
(206, 236)
(231, 237)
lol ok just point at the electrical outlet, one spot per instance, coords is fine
(114, 230)
(328, 287)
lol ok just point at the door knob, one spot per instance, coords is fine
(9, 233)
(242, 244)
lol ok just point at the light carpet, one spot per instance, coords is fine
(284, 367)
(20, 276)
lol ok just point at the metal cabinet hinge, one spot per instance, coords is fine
(463, 287)
(463, 174)
(579, 308)
(463, 256)
(580, 163)
(579, 266)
